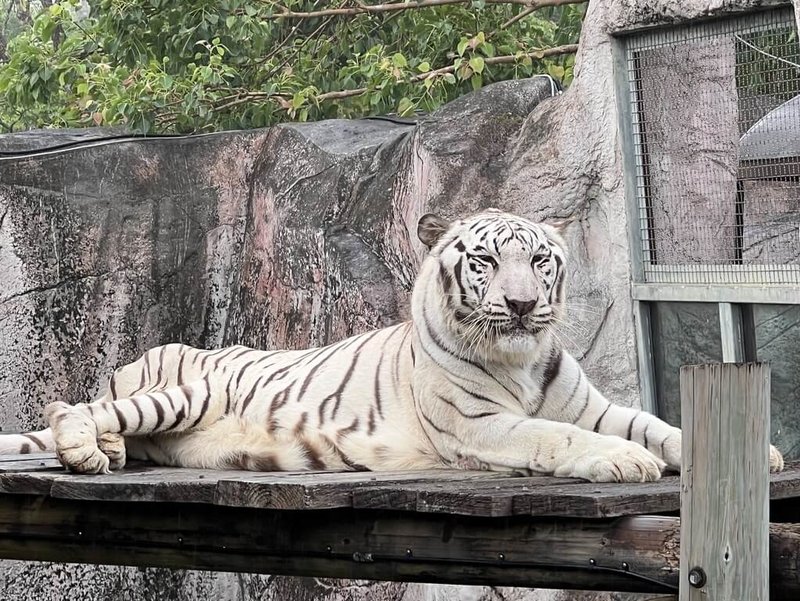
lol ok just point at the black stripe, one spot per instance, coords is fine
(250, 395)
(25, 449)
(377, 387)
(123, 423)
(573, 393)
(585, 405)
(182, 411)
(224, 356)
(38, 442)
(161, 363)
(630, 425)
(206, 401)
(112, 388)
(467, 415)
(313, 370)
(474, 394)
(441, 345)
(599, 419)
(457, 269)
(135, 403)
(228, 394)
(371, 421)
(345, 431)
(159, 411)
(180, 367)
(349, 374)
(550, 374)
(646, 442)
(145, 370)
(437, 428)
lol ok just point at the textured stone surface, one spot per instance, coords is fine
(294, 236)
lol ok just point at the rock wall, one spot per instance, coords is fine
(293, 236)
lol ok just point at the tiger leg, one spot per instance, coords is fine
(235, 443)
(29, 442)
(581, 403)
(112, 445)
(79, 430)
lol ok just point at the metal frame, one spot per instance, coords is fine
(732, 290)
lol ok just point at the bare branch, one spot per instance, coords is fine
(285, 13)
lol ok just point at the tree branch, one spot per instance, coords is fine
(285, 13)
(495, 60)
(243, 96)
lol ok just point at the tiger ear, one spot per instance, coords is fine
(430, 228)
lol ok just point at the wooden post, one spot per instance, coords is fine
(725, 482)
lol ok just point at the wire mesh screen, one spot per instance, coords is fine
(716, 120)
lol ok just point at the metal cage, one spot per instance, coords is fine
(714, 133)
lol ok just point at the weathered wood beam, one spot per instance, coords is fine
(635, 554)
(725, 482)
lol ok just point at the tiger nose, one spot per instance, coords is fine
(520, 307)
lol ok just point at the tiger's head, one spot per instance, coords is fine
(500, 278)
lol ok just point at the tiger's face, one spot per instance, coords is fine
(502, 277)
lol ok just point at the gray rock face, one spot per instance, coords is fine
(291, 237)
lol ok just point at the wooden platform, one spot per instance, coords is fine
(434, 526)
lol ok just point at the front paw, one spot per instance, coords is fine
(75, 435)
(612, 459)
(775, 460)
(113, 446)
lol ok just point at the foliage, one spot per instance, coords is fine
(195, 65)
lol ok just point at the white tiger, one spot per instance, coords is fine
(475, 380)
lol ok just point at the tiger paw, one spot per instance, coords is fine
(612, 459)
(775, 459)
(113, 446)
(75, 435)
(671, 449)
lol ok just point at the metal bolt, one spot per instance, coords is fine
(592, 562)
(697, 577)
(328, 549)
(501, 556)
(409, 553)
(625, 566)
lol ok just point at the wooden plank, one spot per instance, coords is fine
(43, 464)
(725, 482)
(329, 490)
(786, 484)
(144, 484)
(7, 459)
(30, 483)
(492, 498)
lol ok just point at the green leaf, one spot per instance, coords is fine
(405, 107)
(230, 21)
(399, 60)
(556, 71)
(297, 100)
(477, 64)
(424, 67)
(477, 81)
(450, 78)
(462, 46)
